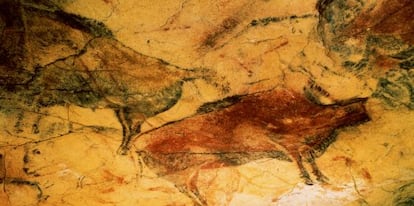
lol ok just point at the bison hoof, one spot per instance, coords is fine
(122, 150)
(322, 179)
(308, 181)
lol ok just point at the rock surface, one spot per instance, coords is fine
(80, 78)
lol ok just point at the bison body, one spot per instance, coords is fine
(274, 124)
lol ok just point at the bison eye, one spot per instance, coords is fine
(36, 151)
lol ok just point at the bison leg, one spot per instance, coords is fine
(126, 140)
(190, 189)
(129, 130)
(193, 189)
(310, 155)
(195, 197)
(319, 175)
(303, 172)
(126, 132)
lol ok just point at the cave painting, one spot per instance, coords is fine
(277, 124)
(101, 72)
(204, 86)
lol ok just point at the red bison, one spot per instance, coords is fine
(278, 124)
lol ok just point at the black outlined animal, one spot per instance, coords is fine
(94, 71)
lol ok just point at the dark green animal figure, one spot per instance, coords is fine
(49, 57)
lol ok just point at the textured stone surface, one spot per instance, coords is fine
(106, 102)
